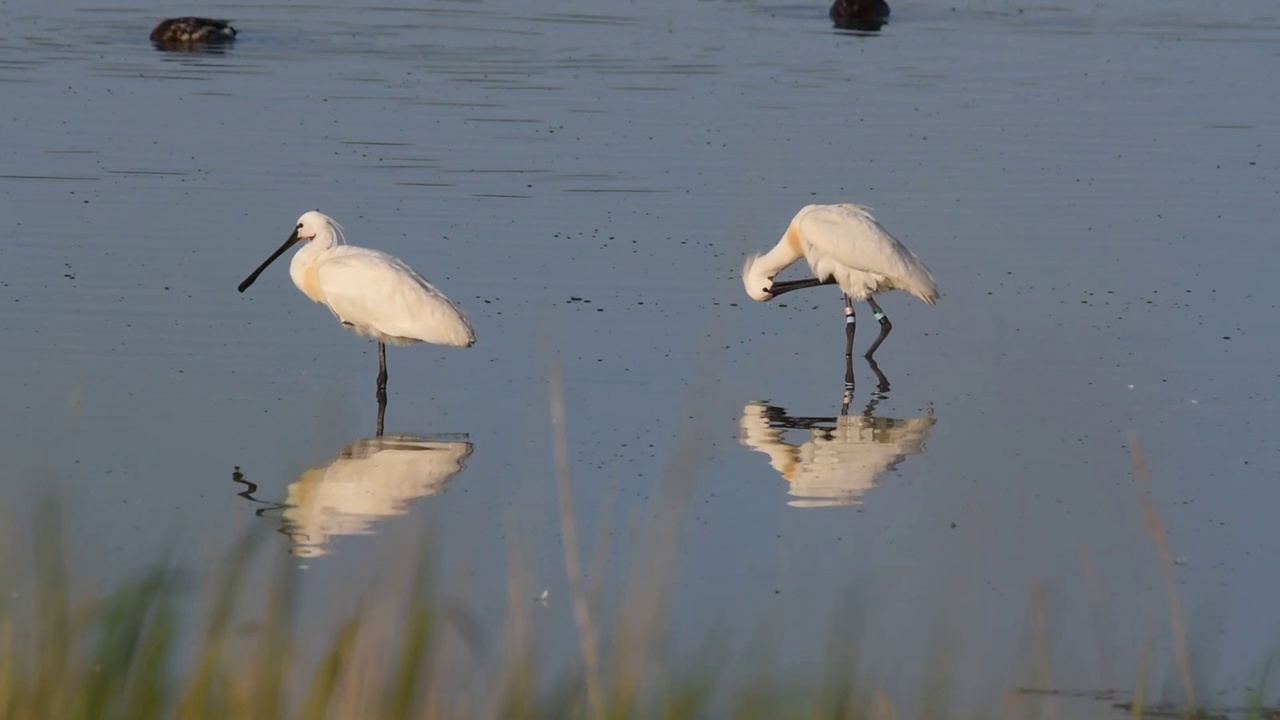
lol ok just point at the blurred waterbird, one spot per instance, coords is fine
(845, 246)
(859, 14)
(192, 30)
(370, 292)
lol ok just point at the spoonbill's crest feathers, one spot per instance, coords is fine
(755, 283)
(339, 233)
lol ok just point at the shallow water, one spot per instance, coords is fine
(1095, 189)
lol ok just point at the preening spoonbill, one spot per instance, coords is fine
(192, 30)
(859, 14)
(845, 246)
(370, 292)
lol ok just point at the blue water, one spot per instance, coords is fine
(1095, 189)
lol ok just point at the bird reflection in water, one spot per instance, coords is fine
(371, 479)
(843, 456)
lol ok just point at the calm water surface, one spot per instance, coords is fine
(1094, 187)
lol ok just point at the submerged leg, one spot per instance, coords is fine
(882, 389)
(850, 326)
(382, 372)
(885, 326)
(882, 384)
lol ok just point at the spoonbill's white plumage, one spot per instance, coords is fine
(370, 292)
(844, 245)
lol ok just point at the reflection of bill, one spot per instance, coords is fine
(371, 479)
(843, 456)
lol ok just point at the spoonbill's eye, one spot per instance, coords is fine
(299, 227)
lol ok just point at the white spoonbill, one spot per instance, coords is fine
(370, 292)
(845, 246)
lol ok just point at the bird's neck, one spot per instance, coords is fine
(302, 269)
(308, 254)
(783, 254)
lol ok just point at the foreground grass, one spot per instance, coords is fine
(130, 654)
(117, 656)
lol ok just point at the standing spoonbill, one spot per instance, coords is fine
(845, 246)
(370, 292)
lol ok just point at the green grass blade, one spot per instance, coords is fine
(325, 682)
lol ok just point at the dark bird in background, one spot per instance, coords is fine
(860, 14)
(192, 30)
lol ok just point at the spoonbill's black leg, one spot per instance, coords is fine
(850, 326)
(382, 372)
(882, 384)
(848, 398)
(885, 326)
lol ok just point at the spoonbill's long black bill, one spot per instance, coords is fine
(784, 286)
(283, 248)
